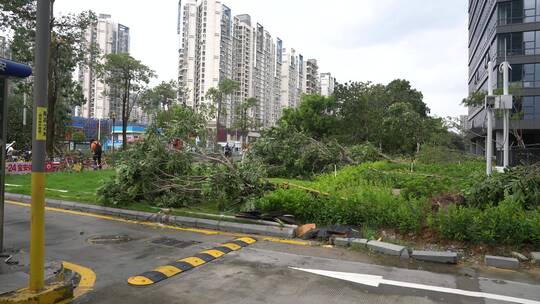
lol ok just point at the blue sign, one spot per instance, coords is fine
(14, 69)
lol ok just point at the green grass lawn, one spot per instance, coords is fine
(77, 187)
(81, 187)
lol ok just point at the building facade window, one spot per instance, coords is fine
(518, 11)
(531, 107)
(519, 43)
(523, 76)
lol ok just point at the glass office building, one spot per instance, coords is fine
(510, 30)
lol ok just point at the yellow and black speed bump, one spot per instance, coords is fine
(163, 272)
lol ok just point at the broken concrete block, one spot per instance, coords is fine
(445, 257)
(501, 262)
(386, 248)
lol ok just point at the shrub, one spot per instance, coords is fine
(507, 223)
(375, 208)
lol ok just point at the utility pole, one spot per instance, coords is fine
(489, 113)
(39, 137)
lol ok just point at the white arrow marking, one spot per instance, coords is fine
(375, 281)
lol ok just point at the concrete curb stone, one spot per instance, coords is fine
(343, 242)
(386, 248)
(501, 262)
(359, 242)
(274, 231)
(445, 257)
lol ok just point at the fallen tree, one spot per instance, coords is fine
(163, 173)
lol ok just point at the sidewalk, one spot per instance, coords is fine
(14, 278)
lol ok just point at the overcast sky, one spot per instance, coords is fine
(424, 41)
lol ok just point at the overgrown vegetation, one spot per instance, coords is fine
(363, 196)
(370, 156)
(520, 185)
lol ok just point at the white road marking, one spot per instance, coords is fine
(375, 281)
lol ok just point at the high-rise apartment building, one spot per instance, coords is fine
(510, 30)
(263, 76)
(311, 80)
(206, 53)
(328, 84)
(110, 38)
(243, 61)
(290, 79)
(276, 101)
(215, 46)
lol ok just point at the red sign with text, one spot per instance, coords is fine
(25, 168)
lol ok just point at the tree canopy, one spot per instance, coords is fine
(126, 78)
(68, 49)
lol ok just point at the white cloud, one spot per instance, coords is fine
(376, 40)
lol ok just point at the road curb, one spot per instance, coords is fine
(386, 248)
(443, 257)
(274, 231)
(501, 262)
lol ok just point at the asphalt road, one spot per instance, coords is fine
(259, 273)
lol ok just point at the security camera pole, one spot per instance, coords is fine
(39, 136)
